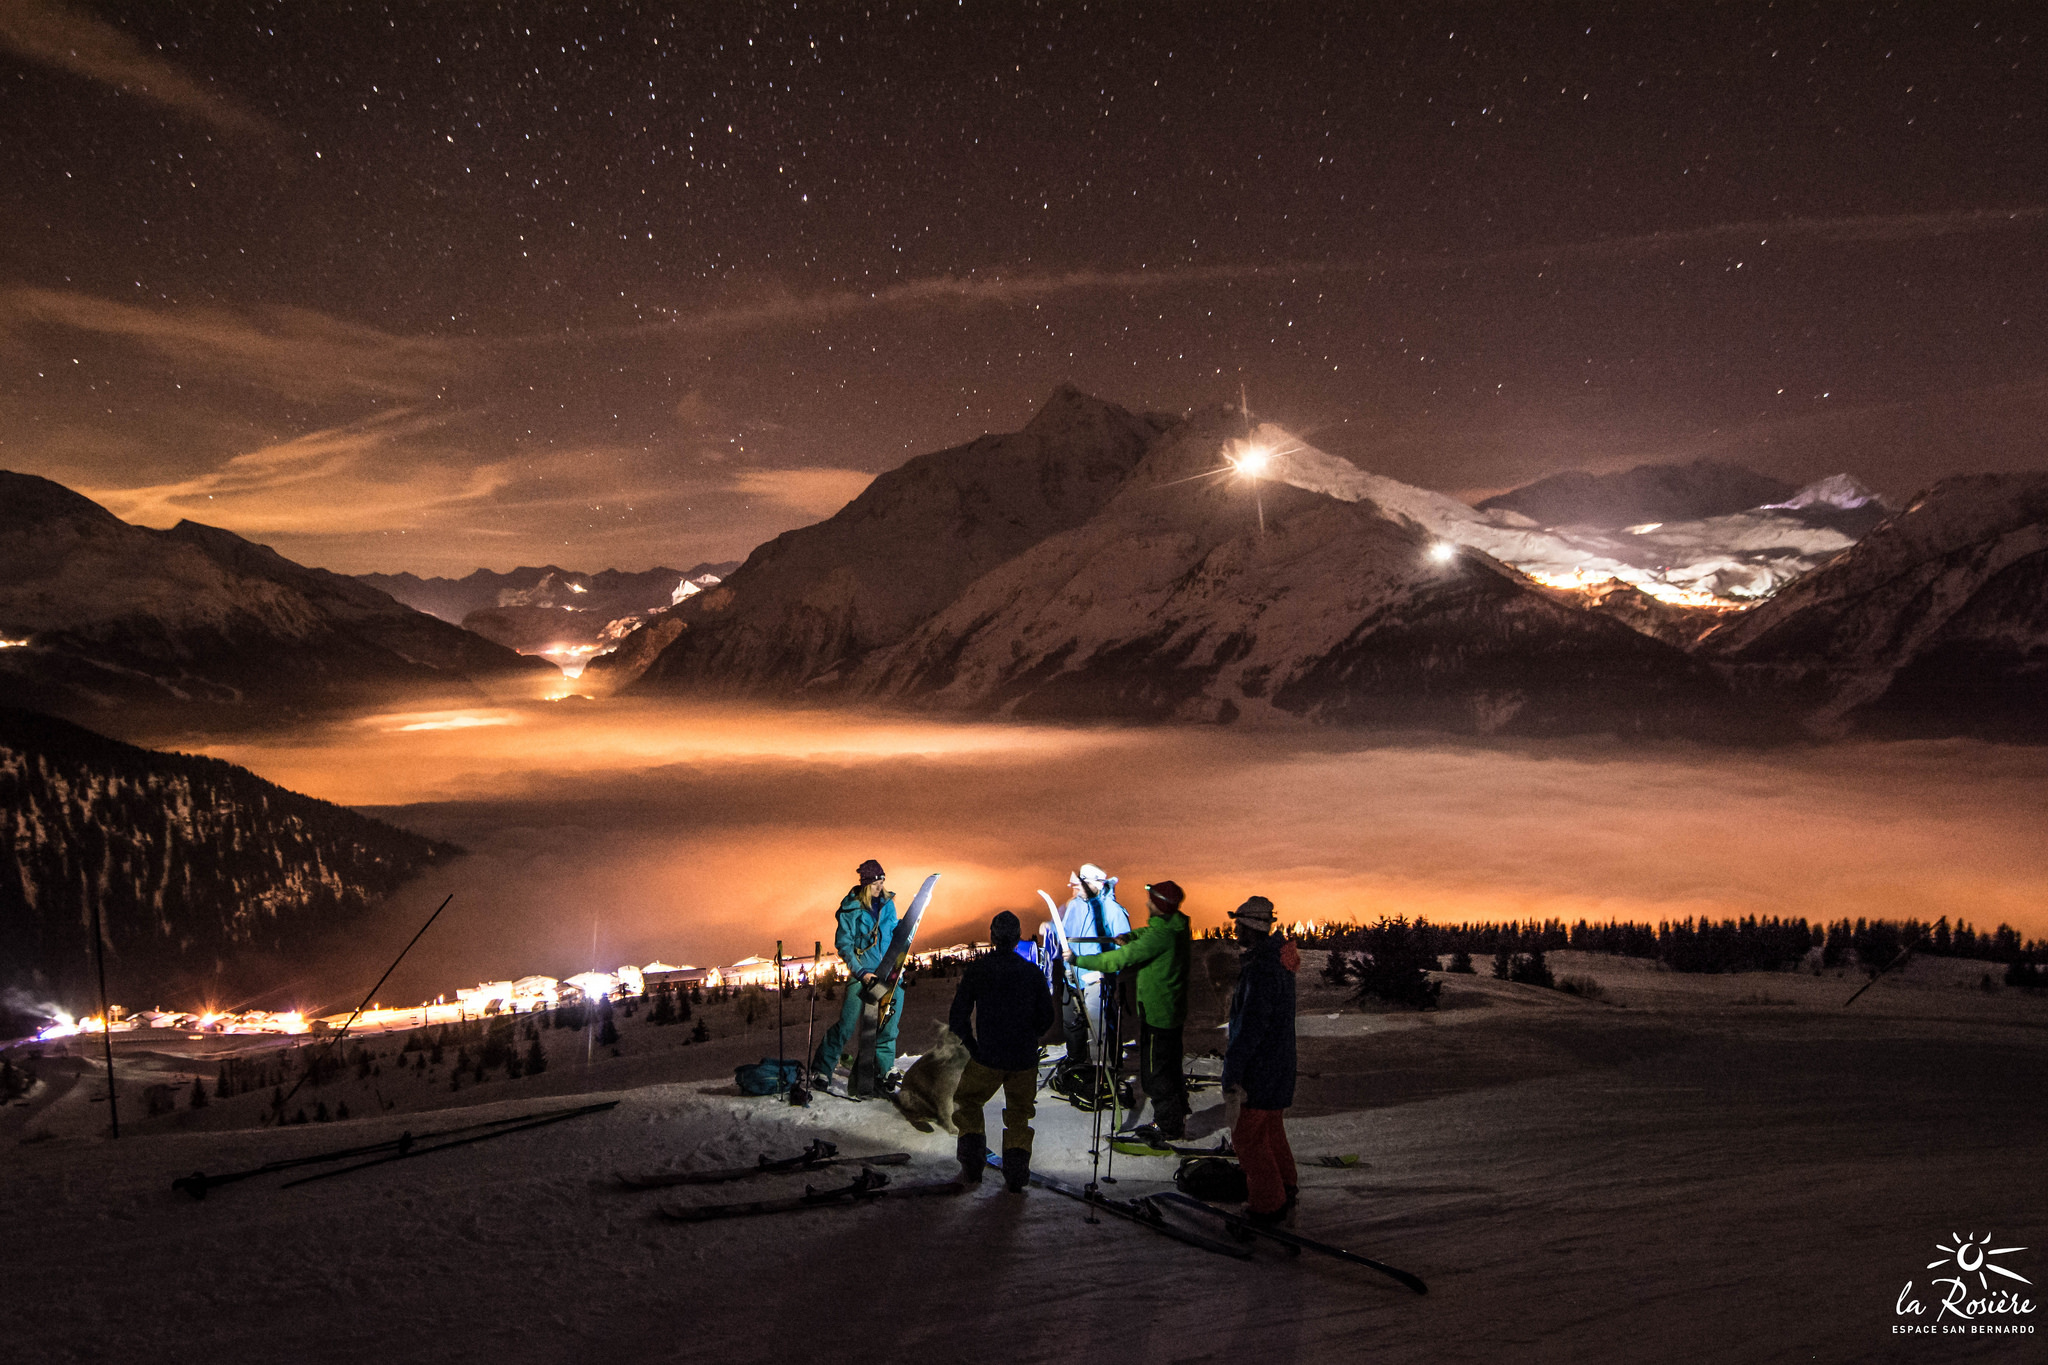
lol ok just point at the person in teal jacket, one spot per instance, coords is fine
(1160, 952)
(867, 921)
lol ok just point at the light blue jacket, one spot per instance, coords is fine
(1077, 917)
(862, 935)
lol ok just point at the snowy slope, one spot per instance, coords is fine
(1717, 561)
(814, 600)
(1650, 492)
(1938, 619)
(1201, 593)
(102, 614)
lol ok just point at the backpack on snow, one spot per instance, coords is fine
(769, 1076)
(1213, 1179)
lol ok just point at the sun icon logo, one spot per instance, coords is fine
(1972, 1256)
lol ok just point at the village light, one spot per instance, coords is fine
(1443, 552)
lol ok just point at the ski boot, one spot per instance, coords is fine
(1016, 1169)
(973, 1152)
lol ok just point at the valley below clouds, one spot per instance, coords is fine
(628, 830)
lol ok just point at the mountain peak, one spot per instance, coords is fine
(1070, 410)
(28, 499)
(1843, 492)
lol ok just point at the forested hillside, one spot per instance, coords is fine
(195, 864)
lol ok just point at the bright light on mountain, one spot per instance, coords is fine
(1443, 552)
(1253, 461)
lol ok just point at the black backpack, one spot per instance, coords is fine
(1217, 1179)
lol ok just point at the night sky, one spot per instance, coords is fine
(437, 286)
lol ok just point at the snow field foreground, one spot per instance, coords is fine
(1689, 1177)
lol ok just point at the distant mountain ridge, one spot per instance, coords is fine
(1688, 492)
(621, 592)
(196, 865)
(1209, 569)
(107, 620)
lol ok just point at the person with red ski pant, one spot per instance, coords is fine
(1258, 1063)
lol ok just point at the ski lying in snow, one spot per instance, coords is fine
(1287, 1237)
(1139, 1211)
(199, 1182)
(816, 1157)
(536, 1121)
(865, 1188)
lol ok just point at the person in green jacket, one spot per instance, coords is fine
(1160, 952)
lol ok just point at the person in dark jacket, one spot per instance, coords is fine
(1160, 952)
(1258, 1064)
(1000, 1011)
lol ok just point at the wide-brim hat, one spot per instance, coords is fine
(1256, 911)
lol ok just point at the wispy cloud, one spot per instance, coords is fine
(998, 288)
(364, 477)
(294, 352)
(815, 492)
(59, 36)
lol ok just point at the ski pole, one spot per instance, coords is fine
(781, 1085)
(336, 1042)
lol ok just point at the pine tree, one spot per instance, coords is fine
(320, 1114)
(198, 1100)
(341, 1110)
(220, 1083)
(609, 1033)
(664, 1008)
(701, 1033)
(536, 1057)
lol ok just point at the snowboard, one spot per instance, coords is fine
(891, 969)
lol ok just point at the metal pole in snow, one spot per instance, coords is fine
(781, 1087)
(99, 950)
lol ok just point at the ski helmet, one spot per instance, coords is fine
(1092, 879)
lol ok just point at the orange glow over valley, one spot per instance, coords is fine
(623, 830)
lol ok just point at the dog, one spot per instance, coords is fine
(926, 1095)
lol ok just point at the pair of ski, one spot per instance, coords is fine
(1149, 1211)
(866, 1188)
(400, 1148)
(816, 1157)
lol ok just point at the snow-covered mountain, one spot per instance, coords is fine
(1714, 562)
(1649, 492)
(101, 618)
(614, 591)
(1101, 564)
(813, 602)
(1287, 585)
(1936, 622)
(194, 864)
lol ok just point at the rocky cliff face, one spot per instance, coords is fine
(1936, 622)
(103, 619)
